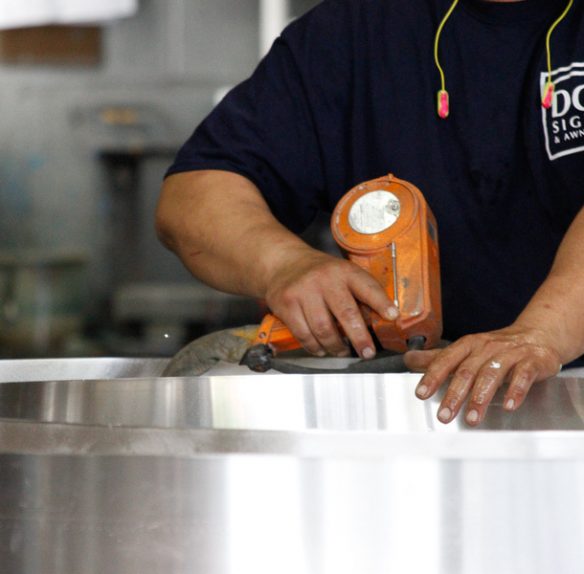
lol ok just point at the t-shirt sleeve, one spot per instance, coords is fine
(264, 131)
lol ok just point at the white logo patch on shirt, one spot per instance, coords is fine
(563, 124)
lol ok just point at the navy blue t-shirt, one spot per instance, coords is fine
(348, 93)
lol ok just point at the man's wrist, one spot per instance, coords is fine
(547, 330)
(280, 254)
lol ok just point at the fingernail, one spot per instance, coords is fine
(368, 353)
(392, 314)
(344, 354)
(510, 405)
(321, 354)
(473, 416)
(445, 415)
(422, 391)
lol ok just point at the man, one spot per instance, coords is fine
(348, 93)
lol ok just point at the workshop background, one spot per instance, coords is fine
(92, 115)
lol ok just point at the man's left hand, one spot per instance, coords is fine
(480, 364)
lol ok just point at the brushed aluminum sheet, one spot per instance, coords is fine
(233, 474)
(265, 514)
(276, 403)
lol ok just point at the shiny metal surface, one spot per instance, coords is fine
(265, 514)
(276, 403)
(23, 370)
(300, 475)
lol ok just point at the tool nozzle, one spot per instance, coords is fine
(417, 343)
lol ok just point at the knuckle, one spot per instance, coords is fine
(472, 340)
(373, 286)
(335, 266)
(288, 297)
(454, 398)
(359, 274)
(484, 392)
(484, 343)
(524, 377)
(351, 316)
(491, 347)
(358, 333)
(318, 275)
(489, 377)
(323, 329)
(464, 375)
(528, 368)
(518, 392)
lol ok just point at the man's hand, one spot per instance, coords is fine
(246, 251)
(550, 331)
(312, 291)
(480, 364)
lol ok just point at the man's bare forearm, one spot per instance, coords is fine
(223, 231)
(221, 228)
(558, 306)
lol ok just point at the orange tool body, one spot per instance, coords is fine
(386, 227)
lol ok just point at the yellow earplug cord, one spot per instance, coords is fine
(548, 93)
(444, 97)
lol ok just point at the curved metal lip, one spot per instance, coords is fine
(557, 405)
(77, 440)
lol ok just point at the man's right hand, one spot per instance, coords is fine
(220, 226)
(312, 292)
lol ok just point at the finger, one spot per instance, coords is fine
(345, 309)
(524, 376)
(296, 321)
(445, 363)
(419, 361)
(491, 376)
(458, 389)
(367, 290)
(323, 327)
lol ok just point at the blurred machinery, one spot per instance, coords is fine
(148, 317)
(42, 298)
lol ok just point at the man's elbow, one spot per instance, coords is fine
(165, 219)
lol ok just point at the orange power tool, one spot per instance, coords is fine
(386, 227)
